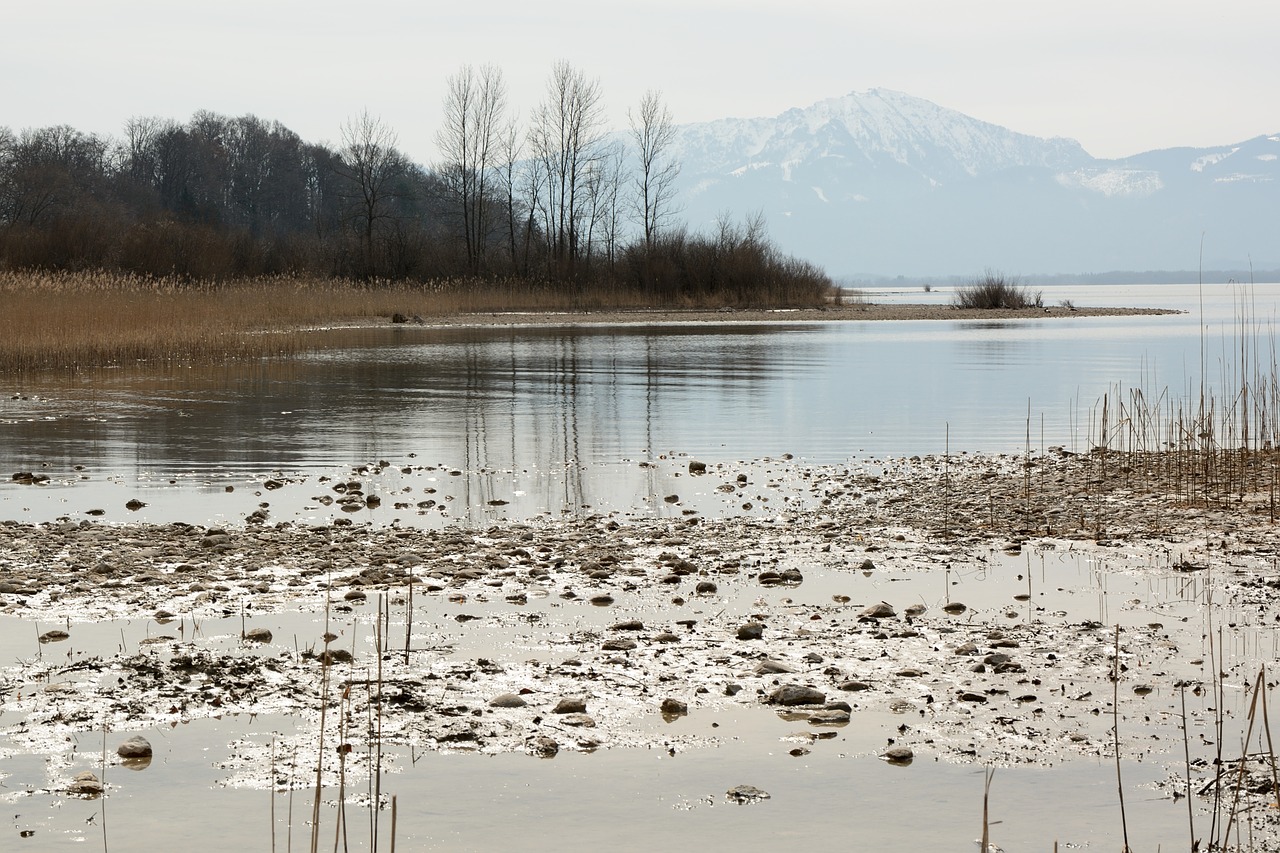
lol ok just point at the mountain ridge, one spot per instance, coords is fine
(882, 181)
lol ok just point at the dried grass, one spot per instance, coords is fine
(70, 321)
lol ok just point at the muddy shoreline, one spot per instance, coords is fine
(580, 634)
(850, 312)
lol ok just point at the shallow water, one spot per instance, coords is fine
(558, 419)
(512, 423)
(641, 798)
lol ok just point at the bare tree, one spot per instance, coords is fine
(474, 105)
(371, 164)
(565, 139)
(654, 134)
(508, 168)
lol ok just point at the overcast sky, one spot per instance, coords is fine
(1120, 76)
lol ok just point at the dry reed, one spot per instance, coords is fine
(71, 321)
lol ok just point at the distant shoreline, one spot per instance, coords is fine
(840, 313)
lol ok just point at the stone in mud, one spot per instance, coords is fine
(829, 717)
(970, 696)
(743, 794)
(954, 608)
(696, 467)
(796, 694)
(135, 747)
(898, 755)
(750, 631)
(618, 645)
(258, 635)
(571, 705)
(666, 637)
(134, 505)
(544, 747)
(581, 721)
(85, 784)
(674, 707)
(54, 636)
(854, 686)
(910, 672)
(967, 649)
(628, 625)
(771, 667)
(883, 610)
(705, 588)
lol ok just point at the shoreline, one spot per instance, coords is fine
(851, 600)
(834, 313)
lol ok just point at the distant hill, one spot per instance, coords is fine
(883, 183)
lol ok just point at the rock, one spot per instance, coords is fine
(571, 705)
(85, 784)
(771, 667)
(134, 505)
(954, 608)
(544, 747)
(54, 636)
(744, 794)
(135, 747)
(696, 467)
(796, 694)
(674, 708)
(970, 696)
(750, 631)
(705, 588)
(915, 610)
(883, 610)
(898, 755)
(581, 721)
(507, 700)
(629, 625)
(829, 717)
(854, 686)
(618, 645)
(258, 635)
(967, 649)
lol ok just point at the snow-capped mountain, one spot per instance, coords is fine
(884, 182)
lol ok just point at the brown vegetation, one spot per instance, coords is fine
(96, 319)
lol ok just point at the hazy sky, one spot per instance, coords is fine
(1121, 76)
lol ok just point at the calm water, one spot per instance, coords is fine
(557, 420)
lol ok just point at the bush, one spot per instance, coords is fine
(995, 290)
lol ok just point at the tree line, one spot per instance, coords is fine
(560, 202)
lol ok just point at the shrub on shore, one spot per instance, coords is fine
(995, 290)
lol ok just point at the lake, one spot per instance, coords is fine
(470, 426)
(558, 419)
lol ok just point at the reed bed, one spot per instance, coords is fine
(1212, 443)
(70, 321)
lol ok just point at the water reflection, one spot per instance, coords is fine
(559, 420)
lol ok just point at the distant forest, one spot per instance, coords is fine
(561, 202)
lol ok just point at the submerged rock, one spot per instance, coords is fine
(744, 794)
(85, 784)
(898, 755)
